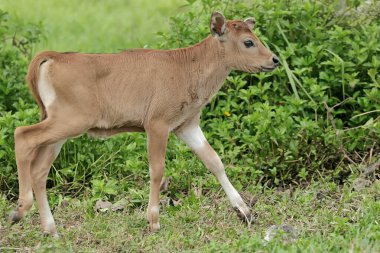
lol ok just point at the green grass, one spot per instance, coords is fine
(325, 217)
(95, 26)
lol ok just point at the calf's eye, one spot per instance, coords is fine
(248, 43)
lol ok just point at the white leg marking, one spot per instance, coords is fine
(217, 168)
(49, 220)
(231, 192)
(45, 88)
(193, 137)
(29, 195)
(154, 209)
(57, 147)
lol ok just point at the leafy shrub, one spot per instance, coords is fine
(16, 41)
(317, 113)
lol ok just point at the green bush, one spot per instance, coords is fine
(317, 113)
(16, 42)
(314, 116)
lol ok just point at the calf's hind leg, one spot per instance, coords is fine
(37, 146)
(39, 172)
(25, 200)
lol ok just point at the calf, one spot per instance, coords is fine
(152, 91)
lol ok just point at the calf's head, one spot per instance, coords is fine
(243, 50)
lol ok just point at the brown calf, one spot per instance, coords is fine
(155, 91)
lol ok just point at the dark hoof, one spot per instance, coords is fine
(247, 218)
(14, 217)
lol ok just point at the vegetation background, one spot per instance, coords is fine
(301, 143)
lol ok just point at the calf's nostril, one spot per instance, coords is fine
(276, 60)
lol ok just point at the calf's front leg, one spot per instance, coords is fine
(193, 136)
(157, 141)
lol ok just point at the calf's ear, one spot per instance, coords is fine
(217, 24)
(250, 22)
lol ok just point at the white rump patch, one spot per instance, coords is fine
(193, 137)
(45, 88)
